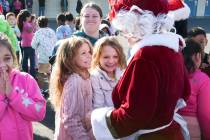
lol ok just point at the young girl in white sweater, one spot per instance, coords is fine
(107, 66)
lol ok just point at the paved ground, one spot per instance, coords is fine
(44, 130)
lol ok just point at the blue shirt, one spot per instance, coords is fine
(63, 32)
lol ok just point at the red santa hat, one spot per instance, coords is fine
(138, 18)
(155, 6)
(178, 9)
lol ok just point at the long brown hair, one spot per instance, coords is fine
(112, 42)
(64, 66)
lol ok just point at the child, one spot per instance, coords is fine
(63, 31)
(70, 22)
(6, 29)
(20, 99)
(17, 6)
(26, 29)
(10, 17)
(199, 35)
(35, 27)
(198, 105)
(5, 6)
(71, 91)
(108, 63)
(43, 42)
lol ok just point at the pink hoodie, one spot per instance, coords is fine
(24, 105)
(198, 104)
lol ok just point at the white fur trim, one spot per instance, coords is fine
(169, 40)
(141, 23)
(180, 14)
(99, 125)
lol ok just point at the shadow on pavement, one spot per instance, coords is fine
(49, 120)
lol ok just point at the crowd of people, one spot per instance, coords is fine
(17, 5)
(160, 91)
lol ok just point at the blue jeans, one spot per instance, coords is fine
(30, 10)
(65, 6)
(29, 53)
(41, 11)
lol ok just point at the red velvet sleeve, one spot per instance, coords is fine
(187, 88)
(139, 105)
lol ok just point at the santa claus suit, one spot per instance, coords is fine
(146, 97)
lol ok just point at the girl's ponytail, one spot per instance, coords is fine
(21, 17)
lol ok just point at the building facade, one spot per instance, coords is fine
(199, 7)
(53, 7)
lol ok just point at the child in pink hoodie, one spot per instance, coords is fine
(197, 110)
(20, 99)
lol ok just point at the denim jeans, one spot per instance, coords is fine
(29, 53)
(41, 11)
(64, 6)
(30, 10)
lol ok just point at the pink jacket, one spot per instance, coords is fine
(198, 104)
(76, 105)
(24, 105)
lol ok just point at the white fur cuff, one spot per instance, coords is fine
(99, 125)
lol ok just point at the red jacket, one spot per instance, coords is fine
(146, 95)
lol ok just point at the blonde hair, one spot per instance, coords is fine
(64, 66)
(112, 42)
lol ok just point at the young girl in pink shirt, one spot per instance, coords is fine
(198, 106)
(70, 90)
(26, 29)
(20, 99)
